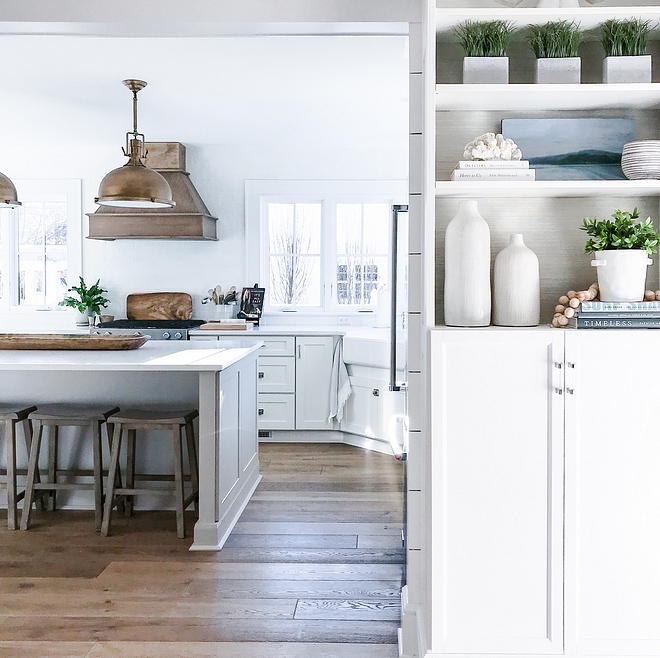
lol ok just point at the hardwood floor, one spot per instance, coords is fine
(312, 570)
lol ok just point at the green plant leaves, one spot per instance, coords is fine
(622, 233)
(555, 39)
(88, 298)
(624, 37)
(484, 38)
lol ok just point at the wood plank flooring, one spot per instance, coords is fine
(312, 570)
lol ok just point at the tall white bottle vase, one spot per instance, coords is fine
(516, 286)
(467, 268)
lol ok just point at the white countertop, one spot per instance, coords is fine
(376, 333)
(152, 357)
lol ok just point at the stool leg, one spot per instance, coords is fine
(98, 475)
(53, 449)
(28, 433)
(130, 471)
(112, 474)
(178, 480)
(10, 448)
(118, 485)
(192, 461)
(33, 467)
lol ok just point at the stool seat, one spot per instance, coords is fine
(15, 411)
(65, 412)
(154, 416)
(54, 416)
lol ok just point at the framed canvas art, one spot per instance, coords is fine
(571, 149)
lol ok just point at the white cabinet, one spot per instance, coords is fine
(613, 493)
(313, 375)
(497, 434)
(508, 505)
(276, 411)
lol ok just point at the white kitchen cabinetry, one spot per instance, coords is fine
(612, 493)
(509, 506)
(313, 375)
(497, 434)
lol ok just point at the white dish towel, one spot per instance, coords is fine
(340, 385)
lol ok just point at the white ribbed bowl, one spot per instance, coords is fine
(641, 160)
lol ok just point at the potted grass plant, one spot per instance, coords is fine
(555, 45)
(624, 41)
(622, 246)
(485, 44)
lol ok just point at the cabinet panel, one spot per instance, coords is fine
(361, 414)
(497, 491)
(276, 374)
(278, 346)
(313, 374)
(276, 411)
(613, 493)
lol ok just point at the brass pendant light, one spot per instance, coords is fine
(8, 195)
(135, 185)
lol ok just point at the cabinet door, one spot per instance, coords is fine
(361, 413)
(497, 452)
(313, 373)
(276, 374)
(276, 411)
(613, 493)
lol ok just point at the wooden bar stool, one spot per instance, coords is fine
(131, 420)
(54, 417)
(10, 416)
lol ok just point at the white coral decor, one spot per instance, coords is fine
(491, 146)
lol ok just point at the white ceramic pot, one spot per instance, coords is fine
(467, 268)
(485, 70)
(621, 274)
(627, 69)
(558, 70)
(516, 286)
(83, 319)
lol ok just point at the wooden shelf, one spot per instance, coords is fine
(588, 17)
(578, 188)
(532, 97)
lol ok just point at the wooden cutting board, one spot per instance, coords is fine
(159, 306)
(70, 342)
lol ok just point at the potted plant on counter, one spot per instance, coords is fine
(622, 247)
(485, 44)
(88, 301)
(556, 46)
(624, 41)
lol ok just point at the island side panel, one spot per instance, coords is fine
(229, 463)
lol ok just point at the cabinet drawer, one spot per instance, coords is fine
(276, 411)
(278, 346)
(276, 374)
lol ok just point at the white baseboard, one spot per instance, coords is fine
(326, 436)
(412, 635)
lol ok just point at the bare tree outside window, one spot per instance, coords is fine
(294, 233)
(362, 251)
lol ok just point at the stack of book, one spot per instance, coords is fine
(495, 170)
(617, 315)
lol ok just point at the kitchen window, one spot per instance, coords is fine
(40, 245)
(323, 246)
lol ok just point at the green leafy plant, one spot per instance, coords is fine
(555, 39)
(624, 37)
(88, 298)
(623, 232)
(484, 38)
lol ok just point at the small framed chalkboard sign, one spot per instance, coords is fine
(252, 304)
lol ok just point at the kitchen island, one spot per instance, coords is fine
(220, 382)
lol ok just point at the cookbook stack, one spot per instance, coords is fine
(617, 315)
(495, 170)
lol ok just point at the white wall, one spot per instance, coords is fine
(250, 107)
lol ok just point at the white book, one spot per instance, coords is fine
(497, 175)
(493, 164)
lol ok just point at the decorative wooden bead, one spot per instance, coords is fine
(563, 300)
(563, 321)
(581, 295)
(649, 296)
(570, 294)
(574, 303)
(569, 312)
(657, 295)
(560, 308)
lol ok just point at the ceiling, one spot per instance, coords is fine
(205, 90)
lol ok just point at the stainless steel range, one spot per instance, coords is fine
(155, 329)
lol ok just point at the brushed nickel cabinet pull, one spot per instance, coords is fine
(261, 412)
(261, 375)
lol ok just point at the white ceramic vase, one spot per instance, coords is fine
(558, 70)
(485, 70)
(516, 286)
(627, 69)
(621, 274)
(467, 268)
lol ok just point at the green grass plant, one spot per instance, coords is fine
(625, 232)
(624, 37)
(555, 39)
(484, 38)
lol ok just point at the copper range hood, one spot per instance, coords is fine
(189, 219)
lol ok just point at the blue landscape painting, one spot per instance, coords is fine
(571, 149)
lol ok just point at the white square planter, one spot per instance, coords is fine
(627, 69)
(558, 70)
(485, 70)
